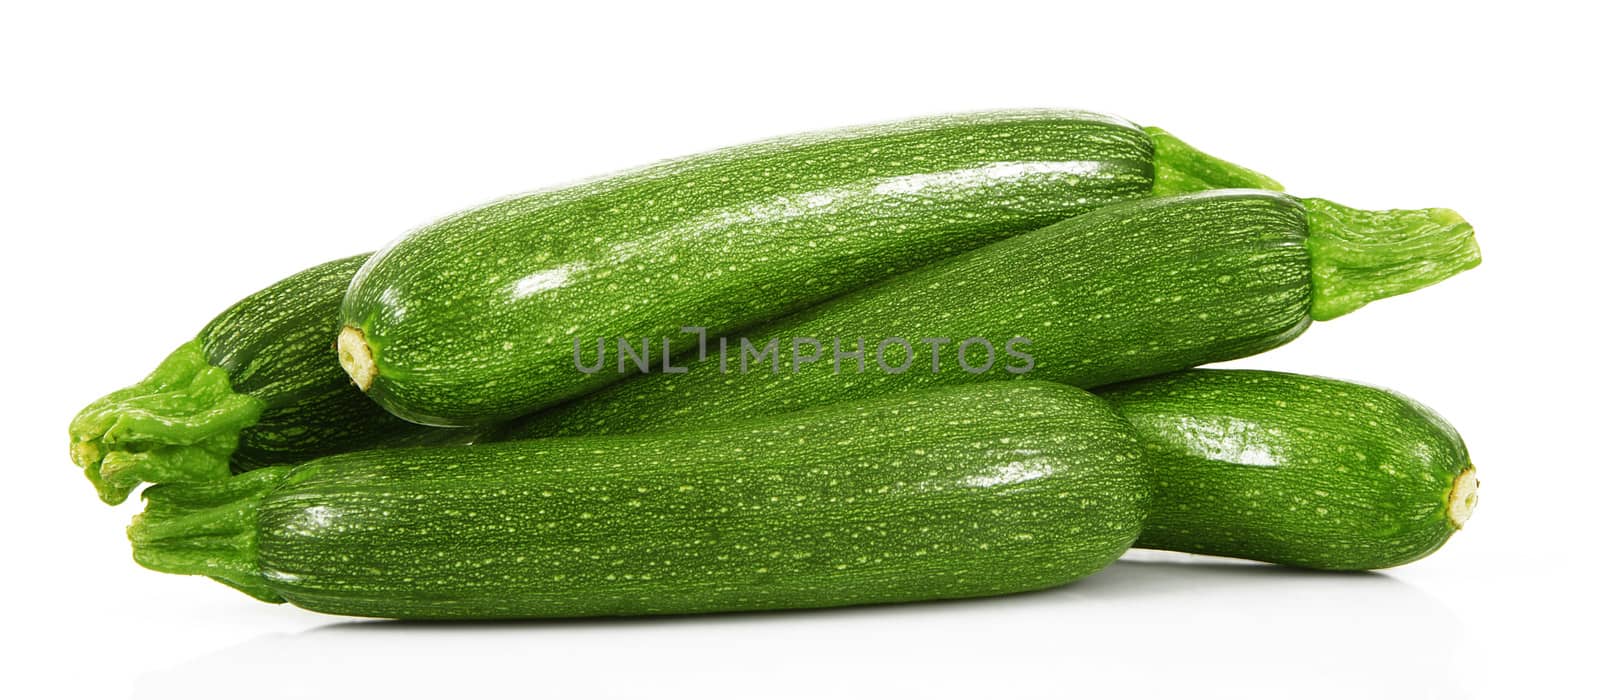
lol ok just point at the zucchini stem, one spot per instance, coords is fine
(355, 355)
(1463, 497)
(1360, 256)
(179, 424)
(207, 529)
(1182, 168)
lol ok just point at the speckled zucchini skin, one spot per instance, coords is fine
(274, 346)
(959, 492)
(1130, 290)
(1293, 469)
(471, 319)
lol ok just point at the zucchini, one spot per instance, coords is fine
(1130, 290)
(256, 387)
(1296, 470)
(471, 319)
(957, 492)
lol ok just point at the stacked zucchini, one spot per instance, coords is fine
(415, 433)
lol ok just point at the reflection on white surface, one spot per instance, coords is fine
(1154, 622)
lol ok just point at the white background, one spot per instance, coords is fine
(159, 161)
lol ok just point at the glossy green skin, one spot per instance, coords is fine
(1292, 469)
(471, 319)
(1130, 290)
(960, 492)
(274, 346)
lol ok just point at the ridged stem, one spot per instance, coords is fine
(179, 424)
(1360, 256)
(207, 529)
(1181, 168)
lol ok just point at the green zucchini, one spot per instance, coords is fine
(957, 492)
(471, 319)
(1296, 470)
(1130, 290)
(257, 386)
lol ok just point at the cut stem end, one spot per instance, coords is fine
(1463, 497)
(355, 355)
